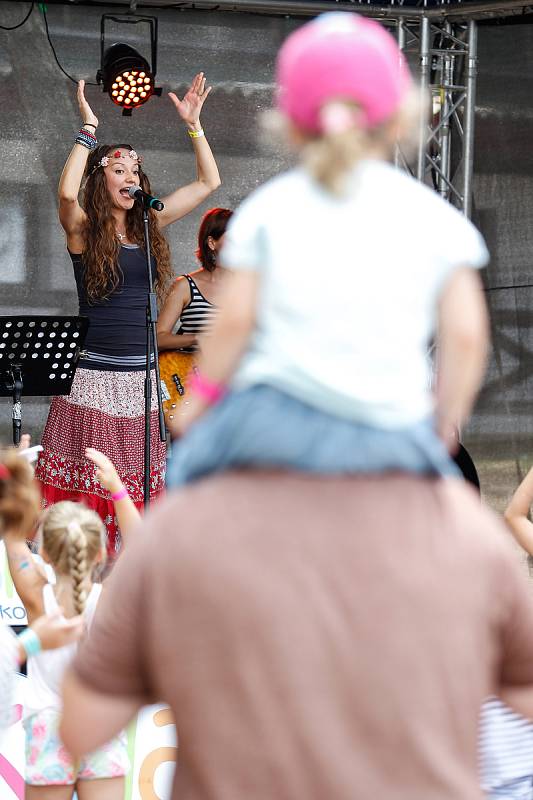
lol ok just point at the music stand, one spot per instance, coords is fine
(38, 357)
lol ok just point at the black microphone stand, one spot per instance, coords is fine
(151, 347)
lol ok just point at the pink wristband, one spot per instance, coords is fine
(120, 495)
(208, 390)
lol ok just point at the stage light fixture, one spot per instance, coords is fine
(126, 75)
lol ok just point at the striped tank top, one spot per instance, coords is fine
(197, 316)
(505, 746)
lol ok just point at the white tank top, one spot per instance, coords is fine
(46, 670)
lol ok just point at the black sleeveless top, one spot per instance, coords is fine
(116, 339)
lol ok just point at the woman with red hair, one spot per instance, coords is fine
(190, 306)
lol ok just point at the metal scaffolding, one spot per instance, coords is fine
(447, 57)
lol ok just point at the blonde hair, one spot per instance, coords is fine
(73, 536)
(20, 499)
(330, 156)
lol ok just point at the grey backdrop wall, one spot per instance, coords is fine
(39, 118)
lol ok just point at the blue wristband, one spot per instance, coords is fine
(30, 642)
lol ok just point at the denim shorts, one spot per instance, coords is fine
(263, 427)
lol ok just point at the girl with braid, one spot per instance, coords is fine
(19, 507)
(72, 543)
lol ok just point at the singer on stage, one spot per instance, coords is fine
(105, 408)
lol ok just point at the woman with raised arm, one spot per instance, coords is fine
(104, 234)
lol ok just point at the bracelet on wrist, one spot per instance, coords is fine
(86, 139)
(196, 134)
(30, 642)
(90, 134)
(210, 391)
(88, 125)
(120, 495)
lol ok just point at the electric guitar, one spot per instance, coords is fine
(174, 369)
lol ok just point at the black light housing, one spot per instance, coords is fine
(125, 74)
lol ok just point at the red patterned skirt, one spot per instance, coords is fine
(104, 410)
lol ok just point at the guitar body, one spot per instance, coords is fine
(174, 369)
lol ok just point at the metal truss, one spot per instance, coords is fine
(447, 56)
(380, 9)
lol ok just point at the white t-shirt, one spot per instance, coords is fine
(349, 289)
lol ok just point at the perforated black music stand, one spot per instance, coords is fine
(38, 357)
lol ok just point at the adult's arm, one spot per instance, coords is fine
(515, 666)
(107, 682)
(462, 351)
(71, 214)
(186, 198)
(519, 698)
(516, 513)
(91, 718)
(177, 299)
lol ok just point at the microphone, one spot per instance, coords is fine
(136, 193)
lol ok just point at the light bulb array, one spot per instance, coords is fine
(131, 88)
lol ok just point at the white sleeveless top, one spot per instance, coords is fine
(46, 670)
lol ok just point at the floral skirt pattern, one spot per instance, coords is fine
(48, 763)
(104, 410)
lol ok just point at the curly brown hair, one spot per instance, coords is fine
(100, 255)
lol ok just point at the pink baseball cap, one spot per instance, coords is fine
(341, 56)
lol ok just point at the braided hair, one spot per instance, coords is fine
(77, 564)
(73, 538)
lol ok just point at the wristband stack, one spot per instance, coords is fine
(196, 134)
(30, 642)
(87, 139)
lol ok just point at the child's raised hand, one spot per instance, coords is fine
(127, 514)
(106, 472)
(25, 442)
